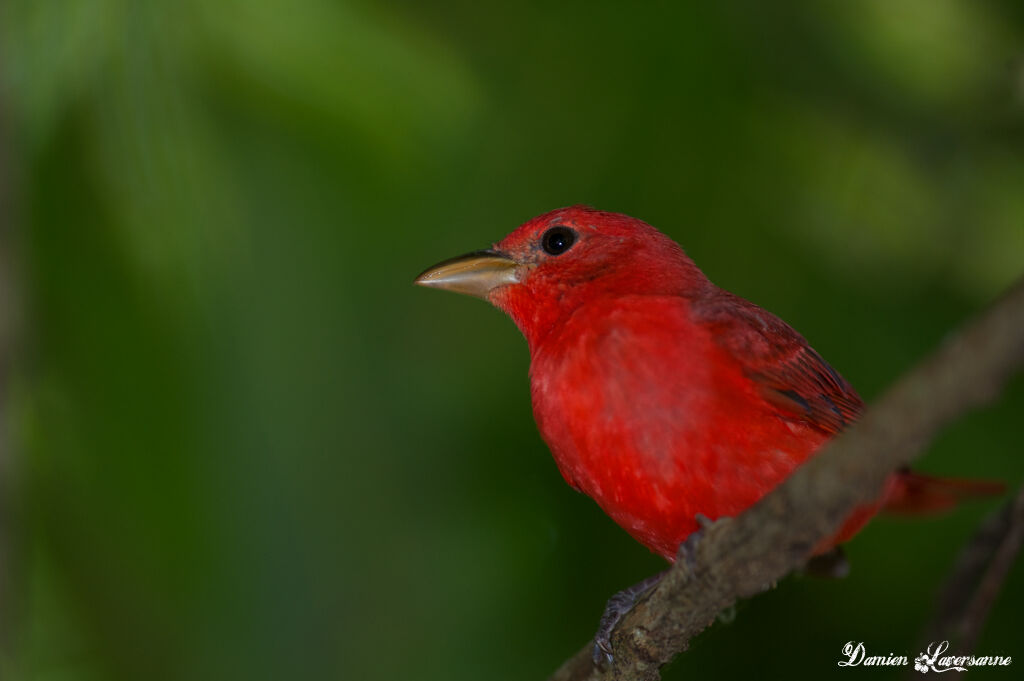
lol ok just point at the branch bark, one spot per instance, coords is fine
(744, 556)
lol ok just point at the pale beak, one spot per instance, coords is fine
(475, 274)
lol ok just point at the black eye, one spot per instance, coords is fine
(558, 240)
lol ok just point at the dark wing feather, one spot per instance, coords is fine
(806, 386)
(788, 373)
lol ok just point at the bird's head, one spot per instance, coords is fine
(556, 262)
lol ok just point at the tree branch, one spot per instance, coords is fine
(741, 557)
(972, 588)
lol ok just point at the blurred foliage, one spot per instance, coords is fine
(250, 449)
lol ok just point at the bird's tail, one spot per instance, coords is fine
(915, 493)
(912, 493)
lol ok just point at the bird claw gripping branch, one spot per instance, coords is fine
(616, 608)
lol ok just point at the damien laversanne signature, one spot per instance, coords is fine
(933, 659)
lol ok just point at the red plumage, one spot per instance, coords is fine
(662, 396)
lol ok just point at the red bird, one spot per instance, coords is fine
(662, 396)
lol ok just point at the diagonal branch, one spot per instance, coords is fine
(741, 557)
(972, 588)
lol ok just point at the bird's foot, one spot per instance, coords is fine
(616, 608)
(622, 602)
(704, 521)
(831, 565)
(688, 549)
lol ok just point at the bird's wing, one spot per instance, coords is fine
(786, 371)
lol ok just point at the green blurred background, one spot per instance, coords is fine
(245, 446)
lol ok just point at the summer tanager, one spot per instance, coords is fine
(663, 397)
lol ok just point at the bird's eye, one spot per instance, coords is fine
(558, 240)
